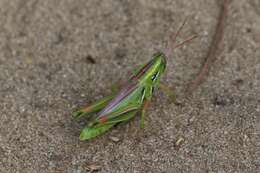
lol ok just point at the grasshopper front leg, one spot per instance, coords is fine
(145, 106)
(168, 91)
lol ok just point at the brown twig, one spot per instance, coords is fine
(214, 46)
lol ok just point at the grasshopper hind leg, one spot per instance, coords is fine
(103, 124)
(92, 109)
(98, 105)
(88, 132)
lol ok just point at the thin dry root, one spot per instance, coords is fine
(212, 52)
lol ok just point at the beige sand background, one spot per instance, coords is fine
(56, 56)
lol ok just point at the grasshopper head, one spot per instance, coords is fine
(152, 71)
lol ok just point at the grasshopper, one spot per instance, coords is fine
(131, 98)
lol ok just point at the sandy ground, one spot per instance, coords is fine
(56, 56)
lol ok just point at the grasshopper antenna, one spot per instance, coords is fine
(171, 43)
(186, 41)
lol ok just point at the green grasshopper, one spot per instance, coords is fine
(131, 98)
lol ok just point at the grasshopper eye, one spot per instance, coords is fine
(155, 75)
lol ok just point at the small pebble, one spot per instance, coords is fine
(114, 139)
(92, 167)
(179, 142)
